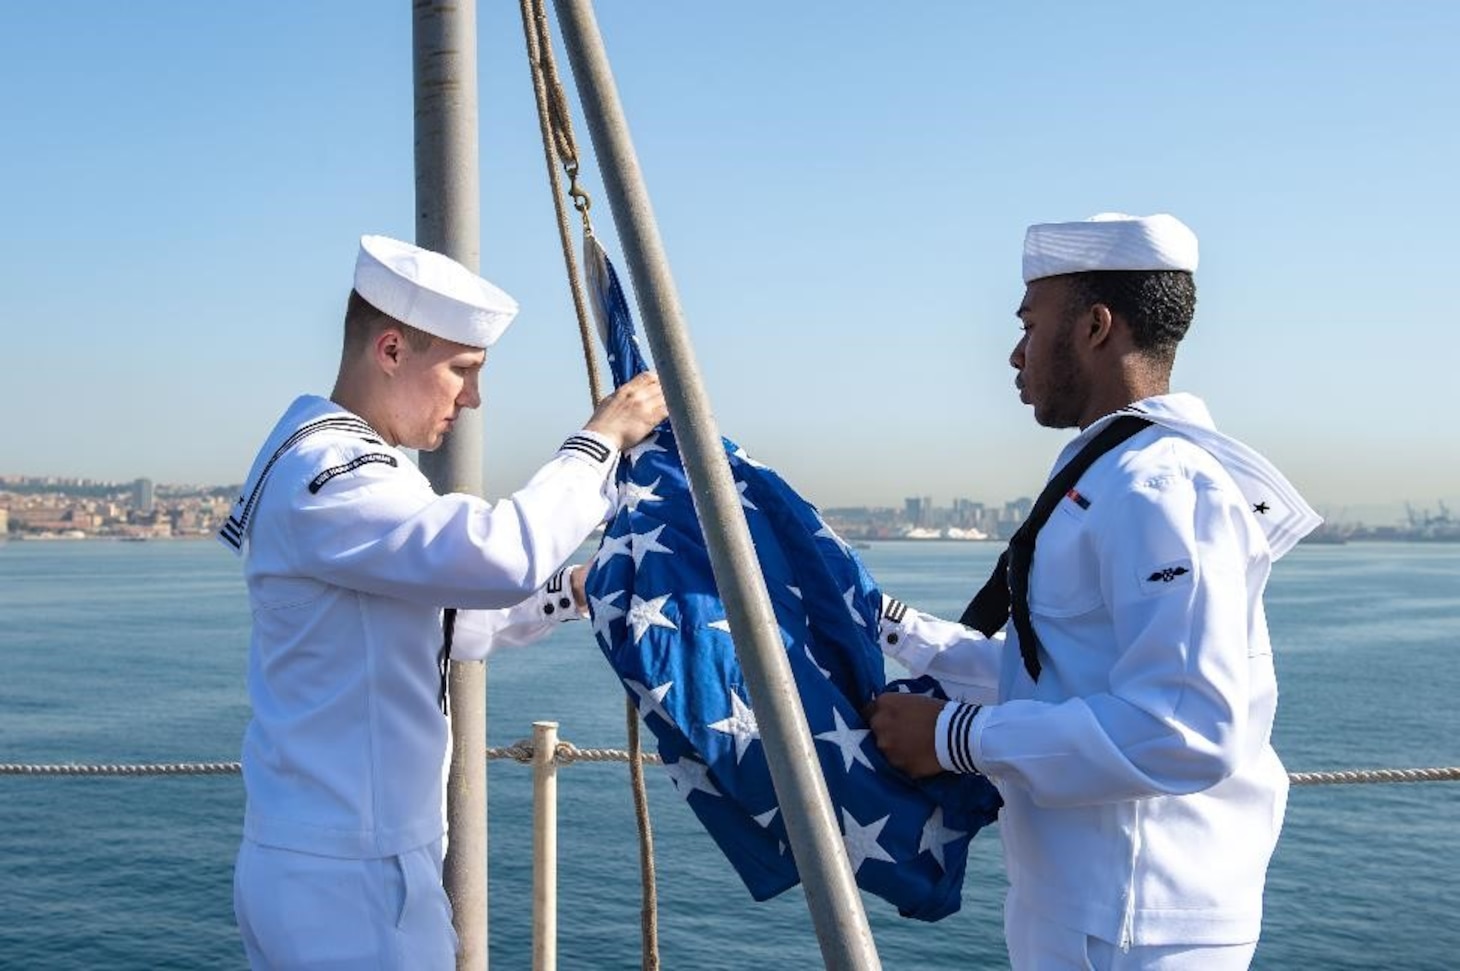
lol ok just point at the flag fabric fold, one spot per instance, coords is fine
(660, 623)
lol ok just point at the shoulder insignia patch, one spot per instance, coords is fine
(1167, 576)
(318, 481)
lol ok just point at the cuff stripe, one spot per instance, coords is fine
(960, 739)
(595, 450)
(895, 611)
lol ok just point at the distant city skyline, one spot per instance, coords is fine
(842, 198)
(43, 508)
(1395, 512)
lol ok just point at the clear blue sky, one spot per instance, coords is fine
(842, 189)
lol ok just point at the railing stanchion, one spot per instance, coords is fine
(544, 846)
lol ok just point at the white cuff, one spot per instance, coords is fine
(590, 447)
(889, 625)
(953, 737)
(555, 599)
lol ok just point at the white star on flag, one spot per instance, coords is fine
(826, 532)
(765, 818)
(650, 444)
(604, 613)
(812, 657)
(741, 725)
(689, 775)
(740, 487)
(651, 700)
(849, 596)
(935, 835)
(861, 841)
(848, 739)
(631, 494)
(644, 614)
(645, 543)
(723, 625)
(744, 456)
(612, 546)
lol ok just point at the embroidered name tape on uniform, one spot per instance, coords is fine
(318, 481)
(236, 527)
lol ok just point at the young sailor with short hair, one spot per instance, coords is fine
(355, 570)
(1114, 678)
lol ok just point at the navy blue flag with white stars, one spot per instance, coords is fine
(660, 622)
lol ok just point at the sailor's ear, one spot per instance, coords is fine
(1101, 324)
(388, 348)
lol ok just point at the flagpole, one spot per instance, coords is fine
(448, 220)
(811, 825)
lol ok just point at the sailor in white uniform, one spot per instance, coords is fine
(1115, 679)
(363, 583)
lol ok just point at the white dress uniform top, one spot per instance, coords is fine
(347, 573)
(350, 558)
(1143, 797)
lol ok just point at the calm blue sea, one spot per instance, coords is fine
(135, 652)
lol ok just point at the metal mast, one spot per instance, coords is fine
(448, 220)
(831, 892)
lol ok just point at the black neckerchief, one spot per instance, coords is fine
(1006, 594)
(443, 659)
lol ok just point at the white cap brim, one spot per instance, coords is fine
(1109, 241)
(431, 292)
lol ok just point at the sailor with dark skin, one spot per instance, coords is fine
(1114, 677)
(1072, 369)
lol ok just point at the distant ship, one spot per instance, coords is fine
(949, 532)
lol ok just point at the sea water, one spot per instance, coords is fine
(136, 652)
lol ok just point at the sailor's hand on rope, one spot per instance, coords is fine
(629, 414)
(904, 726)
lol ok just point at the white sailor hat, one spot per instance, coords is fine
(1109, 241)
(431, 292)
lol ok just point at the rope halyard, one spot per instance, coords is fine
(648, 882)
(556, 126)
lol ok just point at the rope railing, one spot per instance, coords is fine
(1349, 776)
(141, 768)
(567, 753)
